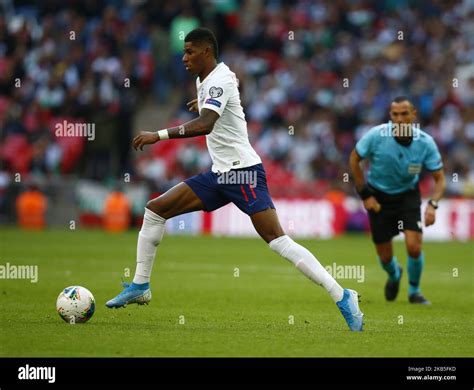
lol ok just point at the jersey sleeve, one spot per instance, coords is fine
(364, 147)
(433, 161)
(217, 96)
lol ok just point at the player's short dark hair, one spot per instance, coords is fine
(203, 35)
(401, 99)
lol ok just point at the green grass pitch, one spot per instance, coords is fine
(201, 308)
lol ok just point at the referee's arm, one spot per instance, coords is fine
(439, 187)
(370, 203)
(357, 173)
(440, 184)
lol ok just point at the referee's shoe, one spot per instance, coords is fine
(418, 298)
(392, 287)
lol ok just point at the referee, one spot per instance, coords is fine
(397, 152)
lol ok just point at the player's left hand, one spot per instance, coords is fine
(144, 138)
(430, 215)
(193, 105)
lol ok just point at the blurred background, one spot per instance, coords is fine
(314, 76)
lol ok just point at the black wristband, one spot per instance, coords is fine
(365, 192)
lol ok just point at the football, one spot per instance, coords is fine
(75, 304)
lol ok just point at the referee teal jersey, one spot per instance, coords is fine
(395, 168)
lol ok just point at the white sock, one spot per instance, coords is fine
(149, 237)
(304, 260)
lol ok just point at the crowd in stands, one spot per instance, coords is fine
(314, 76)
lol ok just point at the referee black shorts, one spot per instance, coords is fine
(398, 213)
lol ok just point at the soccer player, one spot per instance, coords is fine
(397, 152)
(222, 120)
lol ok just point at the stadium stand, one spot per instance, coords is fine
(324, 71)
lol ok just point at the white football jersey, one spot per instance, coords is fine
(228, 143)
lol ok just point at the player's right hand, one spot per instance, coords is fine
(193, 105)
(371, 204)
(144, 138)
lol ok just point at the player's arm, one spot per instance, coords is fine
(439, 187)
(202, 125)
(357, 172)
(370, 203)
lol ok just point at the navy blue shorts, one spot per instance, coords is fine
(245, 187)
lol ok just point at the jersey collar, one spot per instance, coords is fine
(218, 66)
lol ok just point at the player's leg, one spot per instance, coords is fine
(384, 251)
(389, 263)
(411, 217)
(412, 227)
(253, 199)
(416, 261)
(383, 226)
(387, 260)
(267, 225)
(178, 200)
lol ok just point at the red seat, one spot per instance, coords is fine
(4, 104)
(17, 153)
(72, 148)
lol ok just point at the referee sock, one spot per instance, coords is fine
(391, 268)
(149, 237)
(415, 268)
(307, 264)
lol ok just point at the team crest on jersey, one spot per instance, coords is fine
(215, 92)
